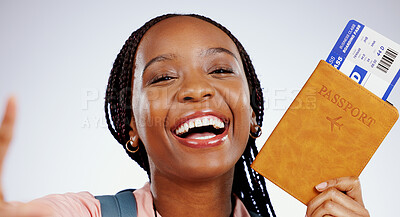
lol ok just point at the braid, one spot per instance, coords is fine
(118, 100)
(248, 185)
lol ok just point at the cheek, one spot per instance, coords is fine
(236, 93)
(242, 119)
(150, 114)
(150, 109)
(238, 100)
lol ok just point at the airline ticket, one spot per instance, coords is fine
(368, 58)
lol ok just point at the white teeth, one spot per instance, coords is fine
(199, 122)
(218, 124)
(205, 122)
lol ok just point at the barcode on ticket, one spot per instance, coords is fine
(387, 60)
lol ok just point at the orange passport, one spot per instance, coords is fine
(331, 130)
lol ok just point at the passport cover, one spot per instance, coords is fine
(331, 130)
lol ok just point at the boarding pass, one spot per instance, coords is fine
(368, 58)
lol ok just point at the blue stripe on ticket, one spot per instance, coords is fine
(344, 44)
(390, 88)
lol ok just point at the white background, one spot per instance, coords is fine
(55, 56)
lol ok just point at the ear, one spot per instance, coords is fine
(133, 144)
(255, 129)
(133, 131)
(253, 122)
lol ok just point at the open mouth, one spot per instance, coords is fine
(207, 130)
(201, 128)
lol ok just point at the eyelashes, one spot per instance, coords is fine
(222, 71)
(161, 78)
(165, 77)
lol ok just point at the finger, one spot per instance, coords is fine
(349, 185)
(6, 131)
(334, 195)
(7, 126)
(330, 208)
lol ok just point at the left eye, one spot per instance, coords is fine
(222, 71)
(161, 79)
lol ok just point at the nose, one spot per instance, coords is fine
(195, 89)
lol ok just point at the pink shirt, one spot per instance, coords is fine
(83, 204)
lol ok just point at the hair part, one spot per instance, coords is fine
(248, 185)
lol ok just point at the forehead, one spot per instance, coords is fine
(182, 34)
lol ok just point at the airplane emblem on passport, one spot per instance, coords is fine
(334, 122)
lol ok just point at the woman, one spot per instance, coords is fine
(184, 101)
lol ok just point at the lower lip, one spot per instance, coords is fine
(204, 143)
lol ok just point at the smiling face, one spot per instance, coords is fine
(191, 103)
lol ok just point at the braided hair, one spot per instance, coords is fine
(248, 185)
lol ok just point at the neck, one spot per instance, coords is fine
(177, 197)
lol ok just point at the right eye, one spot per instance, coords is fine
(161, 78)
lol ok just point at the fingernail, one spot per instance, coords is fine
(306, 215)
(321, 186)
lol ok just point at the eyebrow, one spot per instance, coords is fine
(160, 58)
(217, 50)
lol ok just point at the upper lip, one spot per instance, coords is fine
(196, 114)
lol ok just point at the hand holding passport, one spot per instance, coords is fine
(335, 124)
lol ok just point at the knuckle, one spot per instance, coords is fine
(355, 180)
(331, 192)
(335, 181)
(328, 205)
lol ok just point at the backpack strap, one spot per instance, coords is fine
(123, 204)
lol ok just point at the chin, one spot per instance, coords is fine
(207, 168)
(207, 174)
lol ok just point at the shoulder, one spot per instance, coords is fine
(71, 204)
